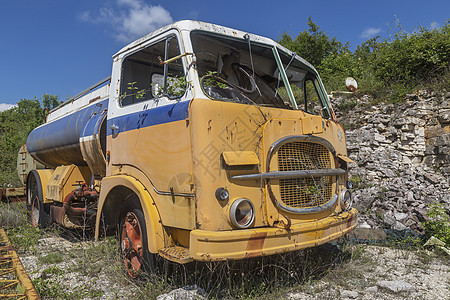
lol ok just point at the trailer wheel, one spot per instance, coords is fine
(133, 241)
(39, 214)
(33, 187)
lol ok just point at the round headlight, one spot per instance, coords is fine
(242, 213)
(346, 199)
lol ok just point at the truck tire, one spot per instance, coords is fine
(39, 212)
(133, 239)
(33, 187)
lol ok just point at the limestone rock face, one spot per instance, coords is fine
(402, 155)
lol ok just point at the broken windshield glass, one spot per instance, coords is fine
(224, 65)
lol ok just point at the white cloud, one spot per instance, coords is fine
(434, 25)
(6, 106)
(131, 19)
(370, 32)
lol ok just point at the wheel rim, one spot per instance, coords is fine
(35, 212)
(131, 245)
(32, 190)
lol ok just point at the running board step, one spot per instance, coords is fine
(176, 254)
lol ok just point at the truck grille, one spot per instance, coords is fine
(304, 192)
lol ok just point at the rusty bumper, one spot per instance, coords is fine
(239, 244)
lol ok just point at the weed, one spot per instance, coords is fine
(51, 258)
(346, 106)
(12, 215)
(53, 270)
(56, 289)
(438, 223)
(355, 181)
(24, 238)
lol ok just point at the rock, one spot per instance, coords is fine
(298, 296)
(372, 289)
(431, 177)
(368, 234)
(185, 293)
(411, 96)
(410, 196)
(420, 213)
(349, 294)
(396, 286)
(444, 116)
(389, 219)
(381, 127)
(402, 155)
(364, 225)
(400, 216)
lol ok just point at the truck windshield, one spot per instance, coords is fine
(226, 74)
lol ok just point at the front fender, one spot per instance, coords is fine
(42, 177)
(155, 231)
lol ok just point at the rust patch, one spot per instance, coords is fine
(255, 244)
(209, 126)
(94, 99)
(349, 221)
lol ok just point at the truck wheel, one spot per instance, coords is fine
(39, 217)
(133, 242)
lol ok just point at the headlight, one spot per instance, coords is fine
(242, 213)
(346, 199)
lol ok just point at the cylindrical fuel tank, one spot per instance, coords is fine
(59, 141)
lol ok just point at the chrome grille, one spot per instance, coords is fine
(304, 192)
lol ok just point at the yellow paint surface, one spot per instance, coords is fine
(64, 180)
(238, 244)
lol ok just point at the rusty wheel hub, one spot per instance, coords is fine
(131, 245)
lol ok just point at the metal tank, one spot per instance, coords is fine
(75, 133)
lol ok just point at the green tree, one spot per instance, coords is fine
(313, 44)
(15, 125)
(50, 101)
(384, 68)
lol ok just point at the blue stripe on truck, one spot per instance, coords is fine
(150, 117)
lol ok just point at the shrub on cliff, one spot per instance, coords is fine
(438, 223)
(388, 67)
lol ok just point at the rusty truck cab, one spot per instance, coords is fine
(228, 145)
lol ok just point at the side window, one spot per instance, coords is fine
(145, 78)
(176, 80)
(312, 100)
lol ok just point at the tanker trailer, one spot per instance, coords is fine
(72, 145)
(207, 143)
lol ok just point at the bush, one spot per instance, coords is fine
(438, 223)
(386, 69)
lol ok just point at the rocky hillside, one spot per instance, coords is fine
(402, 155)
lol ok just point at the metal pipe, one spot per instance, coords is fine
(81, 94)
(291, 174)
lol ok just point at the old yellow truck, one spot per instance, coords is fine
(206, 143)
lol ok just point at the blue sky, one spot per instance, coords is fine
(62, 47)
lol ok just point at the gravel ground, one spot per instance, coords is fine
(92, 270)
(386, 273)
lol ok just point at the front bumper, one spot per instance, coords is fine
(238, 244)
